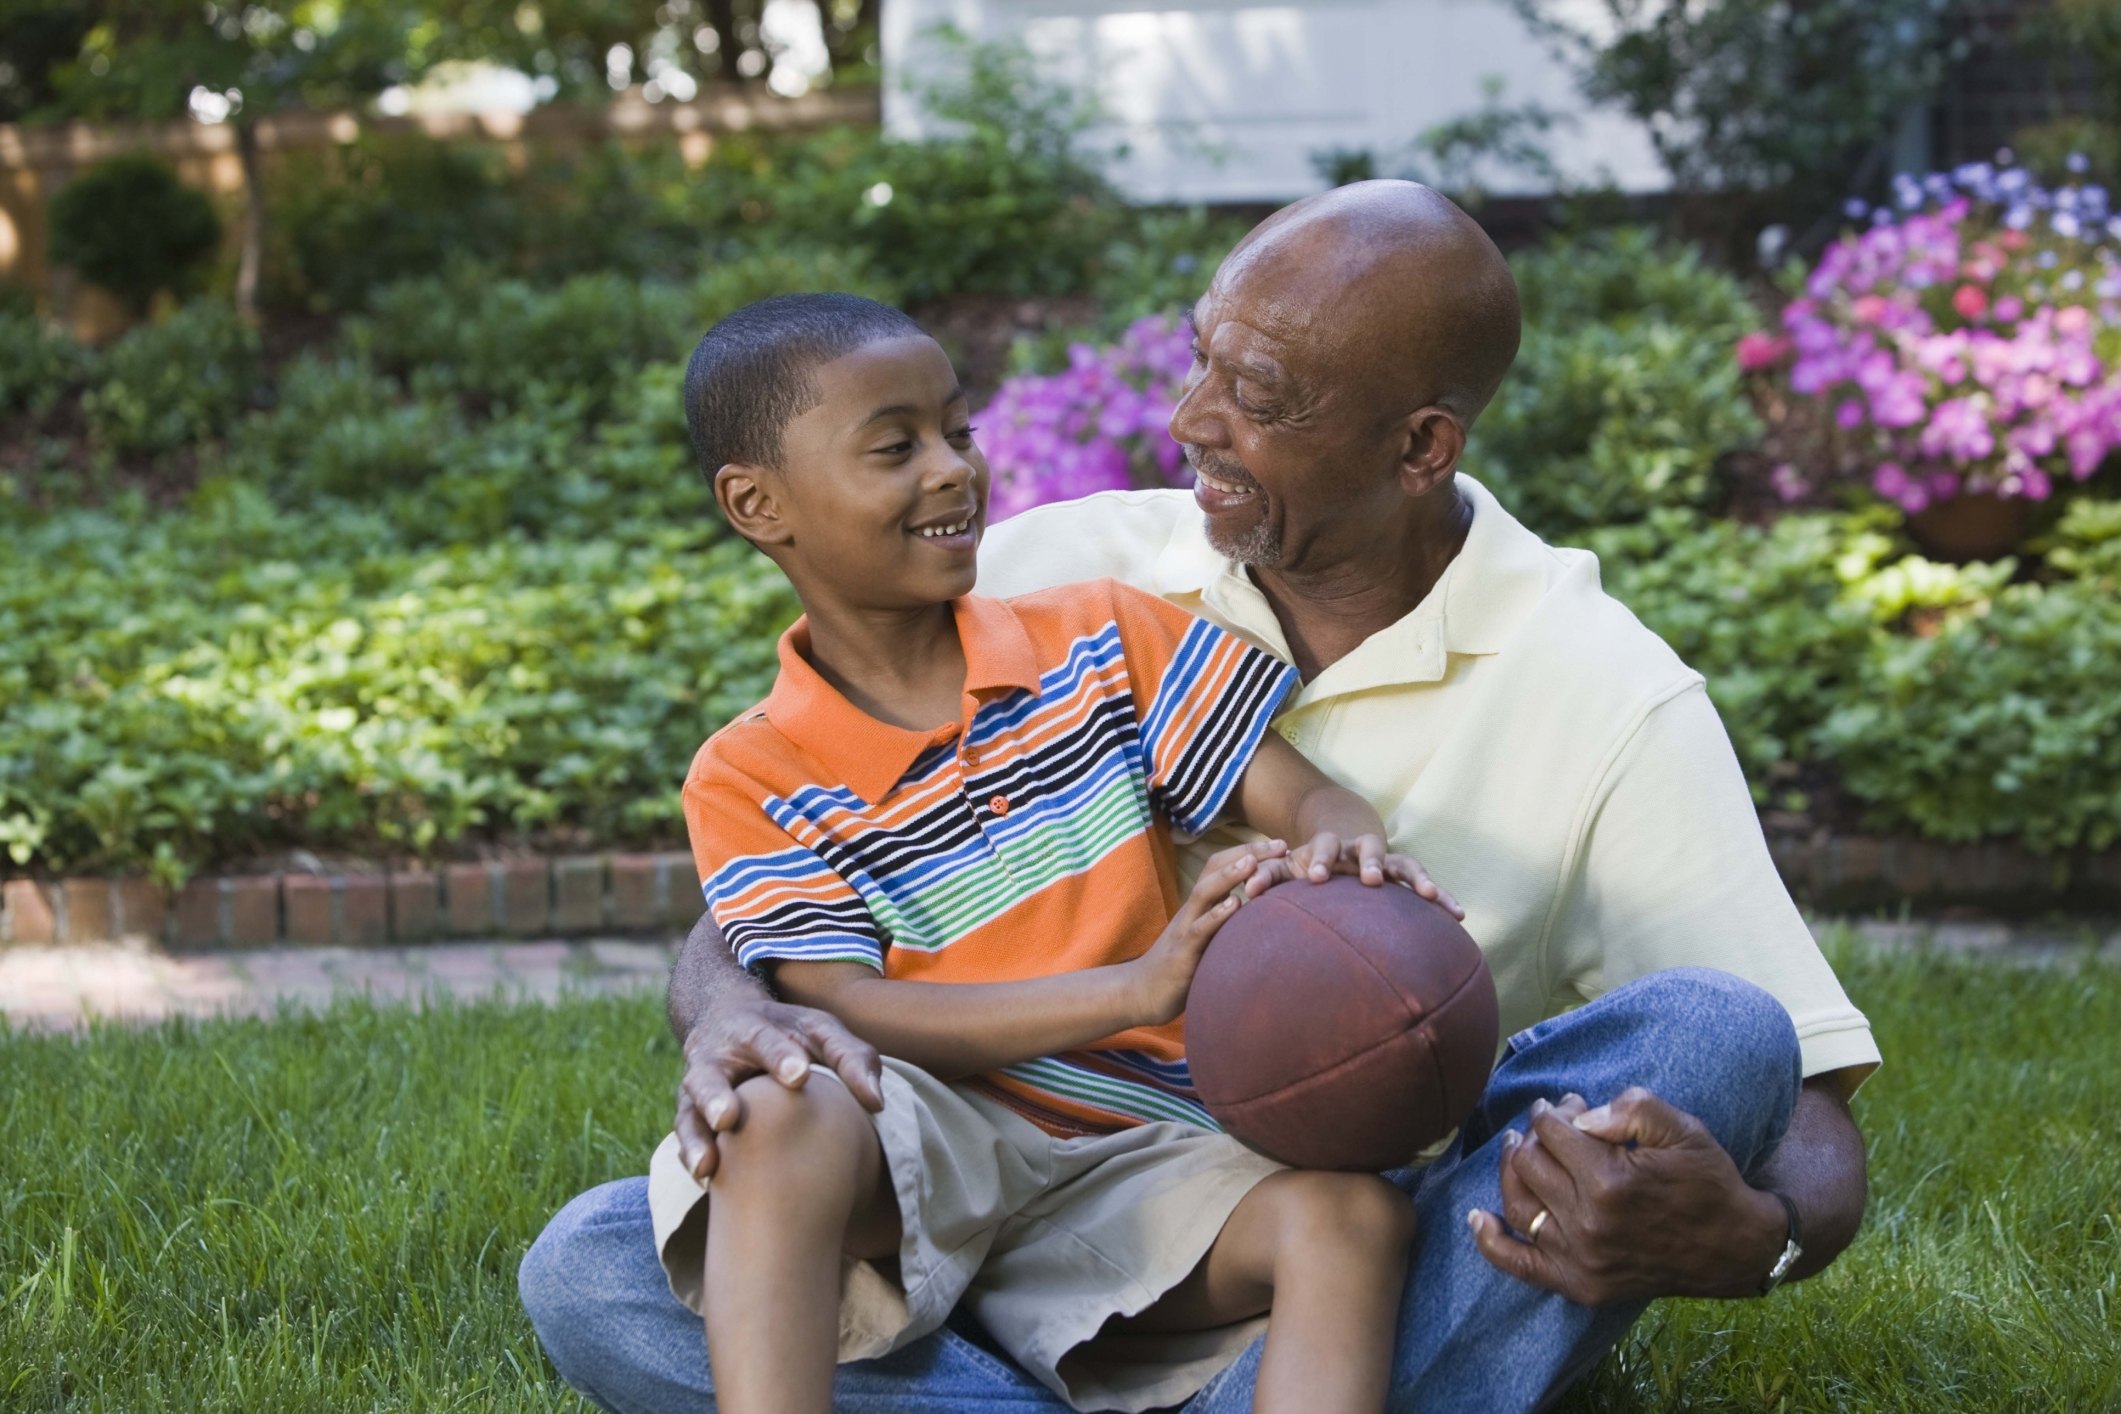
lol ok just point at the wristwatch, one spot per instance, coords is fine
(1791, 1249)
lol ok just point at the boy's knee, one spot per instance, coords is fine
(787, 1131)
(1341, 1212)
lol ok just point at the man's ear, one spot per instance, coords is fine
(746, 497)
(1435, 440)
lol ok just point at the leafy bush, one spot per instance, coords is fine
(2002, 723)
(1623, 398)
(508, 343)
(1947, 700)
(350, 219)
(1003, 199)
(37, 364)
(243, 675)
(130, 226)
(168, 385)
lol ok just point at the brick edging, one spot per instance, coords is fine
(570, 895)
(532, 897)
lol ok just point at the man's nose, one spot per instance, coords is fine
(1191, 425)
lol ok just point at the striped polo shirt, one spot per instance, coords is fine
(1030, 837)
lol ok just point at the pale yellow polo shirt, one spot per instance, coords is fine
(1549, 759)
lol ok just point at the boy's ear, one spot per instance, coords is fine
(746, 497)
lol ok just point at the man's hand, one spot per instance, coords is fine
(744, 1037)
(1641, 1202)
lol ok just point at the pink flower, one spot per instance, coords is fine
(1971, 301)
(1760, 349)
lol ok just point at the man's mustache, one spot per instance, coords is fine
(1219, 468)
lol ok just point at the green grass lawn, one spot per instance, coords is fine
(326, 1213)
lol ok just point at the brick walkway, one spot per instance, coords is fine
(61, 987)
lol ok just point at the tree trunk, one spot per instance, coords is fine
(252, 257)
(843, 47)
(729, 44)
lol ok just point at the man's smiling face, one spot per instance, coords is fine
(1287, 444)
(1341, 353)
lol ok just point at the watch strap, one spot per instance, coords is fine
(1792, 1247)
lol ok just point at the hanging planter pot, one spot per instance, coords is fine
(1978, 525)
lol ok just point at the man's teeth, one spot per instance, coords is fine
(937, 532)
(1217, 484)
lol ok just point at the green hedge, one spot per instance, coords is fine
(1625, 393)
(1948, 701)
(185, 688)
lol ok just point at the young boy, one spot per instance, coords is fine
(949, 825)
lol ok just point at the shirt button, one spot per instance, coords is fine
(969, 757)
(1288, 732)
(999, 805)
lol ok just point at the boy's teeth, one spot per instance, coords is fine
(937, 532)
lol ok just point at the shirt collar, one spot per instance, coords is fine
(870, 756)
(1498, 576)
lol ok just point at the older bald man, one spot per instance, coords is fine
(1669, 1116)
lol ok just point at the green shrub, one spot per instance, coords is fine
(2003, 723)
(1004, 199)
(130, 226)
(244, 675)
(350, 219)
(506, 342)
(168, 385)
(1625, 393)
(1947, 700)
(37, 364)
(1159, 264)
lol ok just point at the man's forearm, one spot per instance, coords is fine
(705, 976)
(1821, 1165)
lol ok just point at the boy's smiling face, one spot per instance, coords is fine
(880, 497)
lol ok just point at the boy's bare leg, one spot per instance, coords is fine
(1325, 1256)
(800, 1181)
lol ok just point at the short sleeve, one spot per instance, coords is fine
(773, 897)
(1203, 698)
(1674, 872)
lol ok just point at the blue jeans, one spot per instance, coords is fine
(1469, 1337)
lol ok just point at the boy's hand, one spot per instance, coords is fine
(1367, 857)
(1163, 975)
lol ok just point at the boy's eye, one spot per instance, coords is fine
(963, 432)
(895, 449)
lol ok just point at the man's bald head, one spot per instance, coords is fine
(1401, 288)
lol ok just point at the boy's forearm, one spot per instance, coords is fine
(1328, 809)
(955, 1029)
(1284, 796)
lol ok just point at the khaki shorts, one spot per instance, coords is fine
(1042, 1239)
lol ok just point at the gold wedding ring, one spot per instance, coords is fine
(1539, 1220)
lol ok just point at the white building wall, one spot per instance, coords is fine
(1219, 100)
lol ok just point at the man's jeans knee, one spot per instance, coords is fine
(1706, 1042)
(1471, 1338)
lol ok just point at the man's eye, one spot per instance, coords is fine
(1200, 355)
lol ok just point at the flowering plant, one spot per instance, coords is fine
(1969, 340)
(1097, 425)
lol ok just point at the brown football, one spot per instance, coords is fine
(1341, 1026)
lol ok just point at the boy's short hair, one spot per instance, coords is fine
(750, 374)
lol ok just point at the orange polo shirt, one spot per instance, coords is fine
(1028, 838)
